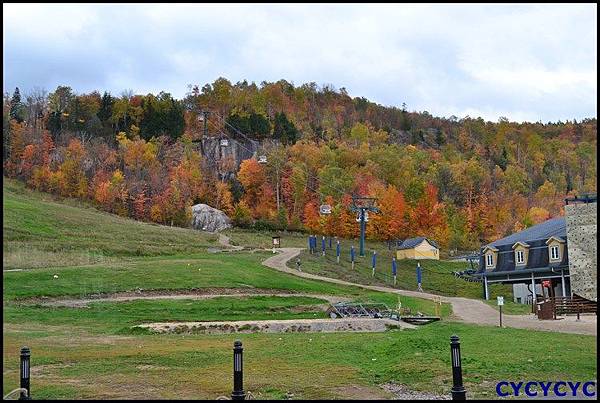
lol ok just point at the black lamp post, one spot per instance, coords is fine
(238, 372)
(458, 390)
(25, 372)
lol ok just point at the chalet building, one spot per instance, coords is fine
(542, 254)
(418, 248)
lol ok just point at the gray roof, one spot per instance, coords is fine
(412, 242)
(553, 227)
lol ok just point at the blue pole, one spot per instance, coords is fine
(337, 251)
(323, 245)
(363, 226)
(419, 276)
(352, 255)
(394, 269)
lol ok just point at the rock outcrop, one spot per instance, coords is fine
(206, 218)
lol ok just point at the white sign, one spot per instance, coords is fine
(500, 301)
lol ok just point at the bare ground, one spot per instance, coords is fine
(197, 294)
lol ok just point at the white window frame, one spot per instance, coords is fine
(520, 253)
(489, 260)
(552, 249)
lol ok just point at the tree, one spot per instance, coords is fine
(224, 199)
(312, 220)
(252, 177)
(428, 217)
(284, 130)
(390, 223)
(73, 180)
(17, 109)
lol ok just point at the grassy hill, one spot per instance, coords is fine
(39, 231)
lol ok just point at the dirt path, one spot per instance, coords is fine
(224, 241)
(201, 294)
(464, 309)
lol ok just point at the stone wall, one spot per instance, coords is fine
(581, 243)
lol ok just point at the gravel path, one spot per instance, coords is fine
(464, 309)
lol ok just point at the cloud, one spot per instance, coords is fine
(528, 62)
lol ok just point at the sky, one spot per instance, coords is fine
(522, 62)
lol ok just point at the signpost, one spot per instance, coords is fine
(276, 242)
(500, 303)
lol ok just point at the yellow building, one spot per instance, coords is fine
(418, 248)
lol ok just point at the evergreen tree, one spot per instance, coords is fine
(284, 130)
(17, 108)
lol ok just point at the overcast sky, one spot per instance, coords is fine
(523, 62)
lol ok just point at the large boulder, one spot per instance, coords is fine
(206, 218)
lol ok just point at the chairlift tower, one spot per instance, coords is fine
(204, 118)
(362, 205)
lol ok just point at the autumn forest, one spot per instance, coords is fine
(461, 181)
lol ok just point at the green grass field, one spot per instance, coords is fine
(92, 352)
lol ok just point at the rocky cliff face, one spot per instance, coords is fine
(206, 218)
(226, 160)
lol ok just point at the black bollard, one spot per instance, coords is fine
(458, 390)
(238, 372)
(25, 372)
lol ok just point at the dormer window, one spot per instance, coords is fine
(554, 253)
(520, 257)
(521, 251)
(555, 249)
(490, 257)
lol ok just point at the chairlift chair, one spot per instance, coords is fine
(325, 209)
(366, 216)
(262, 159)
(224, 142)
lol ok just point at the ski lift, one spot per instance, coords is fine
(325, 209)
(262, 159)
(224, 142)
(366, 216)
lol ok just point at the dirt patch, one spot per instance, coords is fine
(151, 368)
(194, 293)
(402, 392)
(354, 392)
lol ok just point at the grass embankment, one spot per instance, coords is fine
(119, 317)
